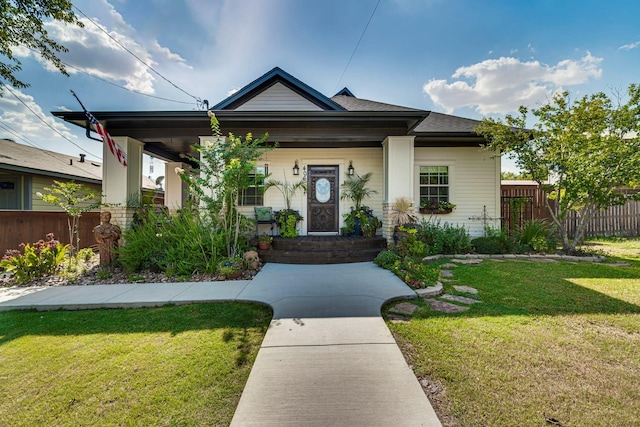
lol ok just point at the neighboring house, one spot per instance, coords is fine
(425, 156)
(26, 171)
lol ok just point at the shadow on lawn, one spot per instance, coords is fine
(233, 318)
(530, 288)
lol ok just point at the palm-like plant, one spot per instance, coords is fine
(354, 188)
(287, 189)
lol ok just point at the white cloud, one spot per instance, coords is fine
(629, 46)
(27, 118)
(502, 85)
(92, 50)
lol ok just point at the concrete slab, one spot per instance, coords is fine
(328, 331)
(333, 290)
(334, 385)
(9, 294)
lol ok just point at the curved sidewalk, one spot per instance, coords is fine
(327, 358)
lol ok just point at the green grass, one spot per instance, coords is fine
(560, 339)
(184, 365)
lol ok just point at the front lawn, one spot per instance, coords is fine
(559, 341)
(184, 365)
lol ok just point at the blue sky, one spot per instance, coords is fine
(471, 58)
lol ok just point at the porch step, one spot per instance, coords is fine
(323, 250)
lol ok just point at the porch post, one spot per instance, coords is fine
(120, 183)
(176, 190)
(398, 165)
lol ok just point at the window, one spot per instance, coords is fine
(434, 185)
(253, 195)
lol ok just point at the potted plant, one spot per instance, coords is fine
(231, 268)
(370, 225)
(264, 241)
(355, 188)
(287, 218)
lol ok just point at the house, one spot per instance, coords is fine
(426, 156)
(25, 171)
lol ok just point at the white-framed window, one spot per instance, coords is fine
(434, 185)
(254, 194)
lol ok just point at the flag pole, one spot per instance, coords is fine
(88, 127)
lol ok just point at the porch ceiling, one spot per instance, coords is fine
(170, 135)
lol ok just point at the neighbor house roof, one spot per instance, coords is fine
(26, 159)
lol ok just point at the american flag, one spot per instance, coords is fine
(113, 147)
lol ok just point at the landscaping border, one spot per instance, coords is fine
(593, 258)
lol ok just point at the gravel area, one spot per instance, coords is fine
(94, 275)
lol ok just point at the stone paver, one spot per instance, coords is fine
(465, 289)
(470, 261)
(404, 308)
(458, 298)
(430, 291)
(445, 307)
(446, 273)
(449, 265)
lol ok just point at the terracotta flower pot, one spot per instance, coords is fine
(264, 246)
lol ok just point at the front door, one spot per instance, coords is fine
(322, 199)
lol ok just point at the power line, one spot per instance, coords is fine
(357, 45)
(198, 100)
(34, 145)
(117, 85)
(44, 121)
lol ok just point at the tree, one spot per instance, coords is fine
(513, 176)
(588, 149)
(75, 199)
(225, 169)
(22, 25)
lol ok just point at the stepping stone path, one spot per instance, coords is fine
(465, 289)
(457, 298)
(446, 273)
(445, 307)
(449, 265)
(404, 308)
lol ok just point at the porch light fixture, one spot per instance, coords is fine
(296, 169)
(350, 169)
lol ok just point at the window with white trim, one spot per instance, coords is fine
(254, 194)
(434, 185)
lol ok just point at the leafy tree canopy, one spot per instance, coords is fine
(22, 25)
(588, 148)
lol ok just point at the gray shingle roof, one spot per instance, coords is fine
(438, 122)
(35, 160)
(351, 103)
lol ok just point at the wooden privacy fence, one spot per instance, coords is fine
(521, 203)
(30, 226)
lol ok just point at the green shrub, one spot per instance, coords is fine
(491, 245)
(443, 239)
(386, 259)
(180, 244)
(411, 246)
(416, 273)
(37, 260)
(538, 235)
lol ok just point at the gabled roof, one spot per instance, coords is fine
(277, 75)
(346, 92)
(25, 159)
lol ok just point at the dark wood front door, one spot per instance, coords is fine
(322, 202)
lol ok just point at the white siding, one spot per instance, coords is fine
(278, 98)
(474, 183)
(280, 162)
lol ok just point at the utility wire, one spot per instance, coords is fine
(117, 85)
(198, 100)
(357, 45)
(44, 121)
(33, 144)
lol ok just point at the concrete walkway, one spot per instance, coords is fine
(328, 358)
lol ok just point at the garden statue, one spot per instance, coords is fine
(252, 260)
(107, 236)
